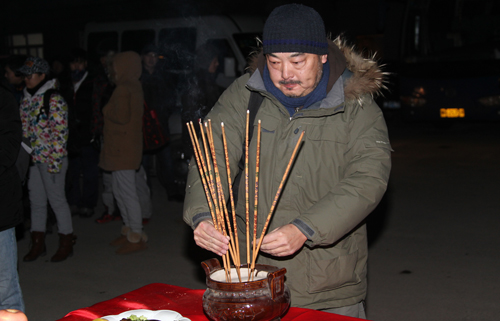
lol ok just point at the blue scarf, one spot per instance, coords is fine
(318, 94)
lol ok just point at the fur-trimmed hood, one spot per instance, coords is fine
(366, 76)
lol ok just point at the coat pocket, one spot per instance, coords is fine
(333, 273)
(328, 133)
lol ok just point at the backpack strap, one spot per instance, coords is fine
(45, 108)
(253, 107)
(46, 98)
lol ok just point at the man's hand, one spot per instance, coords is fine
(207, 237)
(283, 241)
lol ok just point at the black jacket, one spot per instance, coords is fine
(10, 142)
(80, 115)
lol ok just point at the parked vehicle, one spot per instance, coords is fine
(450, 66)
(178, 39)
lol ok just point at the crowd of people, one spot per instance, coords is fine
(66, 129)
(306, 83)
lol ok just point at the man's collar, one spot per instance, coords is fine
(77, 84)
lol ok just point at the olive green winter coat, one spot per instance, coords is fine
(339, 176)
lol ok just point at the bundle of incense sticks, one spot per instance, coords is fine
(204, 151)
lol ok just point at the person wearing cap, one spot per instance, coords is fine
(317, 232)
(45, 123)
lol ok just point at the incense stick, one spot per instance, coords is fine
(212, 183)
(214, 192)
(276, 197)
(205, 176)
(220, 218)
(256, 191)
(220, 190)
(247, 203)
(230, 184)
(201, 167)
(217, 200)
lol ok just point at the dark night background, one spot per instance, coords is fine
(62, 22)
(433, 239)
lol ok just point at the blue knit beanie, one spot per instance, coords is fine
(294, 28)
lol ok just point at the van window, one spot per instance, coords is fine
(136, 40)
(99, 43)
(178, 45)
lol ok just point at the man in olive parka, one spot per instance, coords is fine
(317, 231)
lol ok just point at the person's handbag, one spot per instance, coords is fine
(152, 130)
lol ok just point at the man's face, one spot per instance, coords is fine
(11, 76)
(150, 59)
(79, 65)
(295, 74)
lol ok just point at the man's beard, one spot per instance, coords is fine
(289, 82)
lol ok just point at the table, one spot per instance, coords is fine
(188, 302)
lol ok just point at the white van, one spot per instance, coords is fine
(178, 39)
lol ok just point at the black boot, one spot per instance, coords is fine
(37, 247)
(66, 242)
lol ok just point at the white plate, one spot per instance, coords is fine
(162, 315)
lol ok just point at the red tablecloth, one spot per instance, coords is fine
(188, 302)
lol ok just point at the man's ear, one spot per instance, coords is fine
(324, 58)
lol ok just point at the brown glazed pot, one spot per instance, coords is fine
(265, 298)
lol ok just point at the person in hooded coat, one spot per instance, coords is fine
(121, 152)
